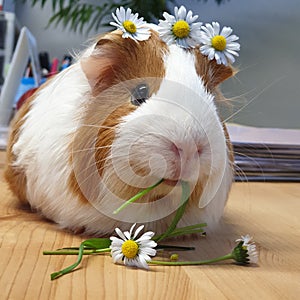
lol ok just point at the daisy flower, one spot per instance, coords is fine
(131, 25)
(133, 251)
(181, 28)
(219, 45)
(245, 252)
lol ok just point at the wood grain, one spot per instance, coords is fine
(268, 211)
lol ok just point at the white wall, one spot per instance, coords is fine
(268, 63)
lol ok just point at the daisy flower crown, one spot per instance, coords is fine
(182, 30)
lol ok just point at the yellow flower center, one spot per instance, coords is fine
(129, 26)
(181, 29)
(130, 248)
(219, 42)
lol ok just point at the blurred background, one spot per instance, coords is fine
(266, 90)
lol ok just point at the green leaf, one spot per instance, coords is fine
(97, 243)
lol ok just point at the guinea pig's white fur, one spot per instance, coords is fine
(46, 151)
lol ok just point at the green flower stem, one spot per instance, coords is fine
(178, 233)
(79, 258)
(191, 263)
(76, 252)
(70, 268)
(184, 233)
(187, 228)
(137, 196)
(180, 211)
(173, 248)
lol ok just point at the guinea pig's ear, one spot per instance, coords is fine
(97, 63)
(212, 73)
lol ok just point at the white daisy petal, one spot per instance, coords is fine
(232, 38)
(120, 234)
(223, 58)
(192, 19)
(245, 239)
(226, 31)
(189, 17)
(139, 229)
(144, 256)
(131, 229)
(121, 14)
(142, 37)
(216, 28)
(217, 57)
(126, 35)
(116, 19)
(169, 18)
(232, 52)
(115, 24)
(233, 48)
(117, 257)
(181, 42)
(127, 235)
(149, 243)
(150, 234)
(211, 54)
(181, 13)
(143, 263)
(210, 29)
(128, 14)
(196, 26)
(116, 242)
(229, 56)
(148, 251)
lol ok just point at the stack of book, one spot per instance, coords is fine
(265, 154)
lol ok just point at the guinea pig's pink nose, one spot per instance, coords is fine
(182, 149)
(185, 161)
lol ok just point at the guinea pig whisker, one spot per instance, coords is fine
(240, 173)
(254, 98)
(90, 148)
(97, 126)
(250, 158)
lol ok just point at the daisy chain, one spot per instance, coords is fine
(221, 46)
(133, 251)
(180, 29)
(131, 25)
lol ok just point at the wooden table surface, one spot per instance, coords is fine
(270, 212)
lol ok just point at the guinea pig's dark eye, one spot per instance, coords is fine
(140, 94)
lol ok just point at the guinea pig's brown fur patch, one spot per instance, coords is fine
(15, 176)
(211, 73)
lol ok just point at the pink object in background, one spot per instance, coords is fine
(54, 66)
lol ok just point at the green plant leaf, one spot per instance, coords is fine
(97, 243)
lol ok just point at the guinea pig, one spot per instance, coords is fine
(125, 115)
